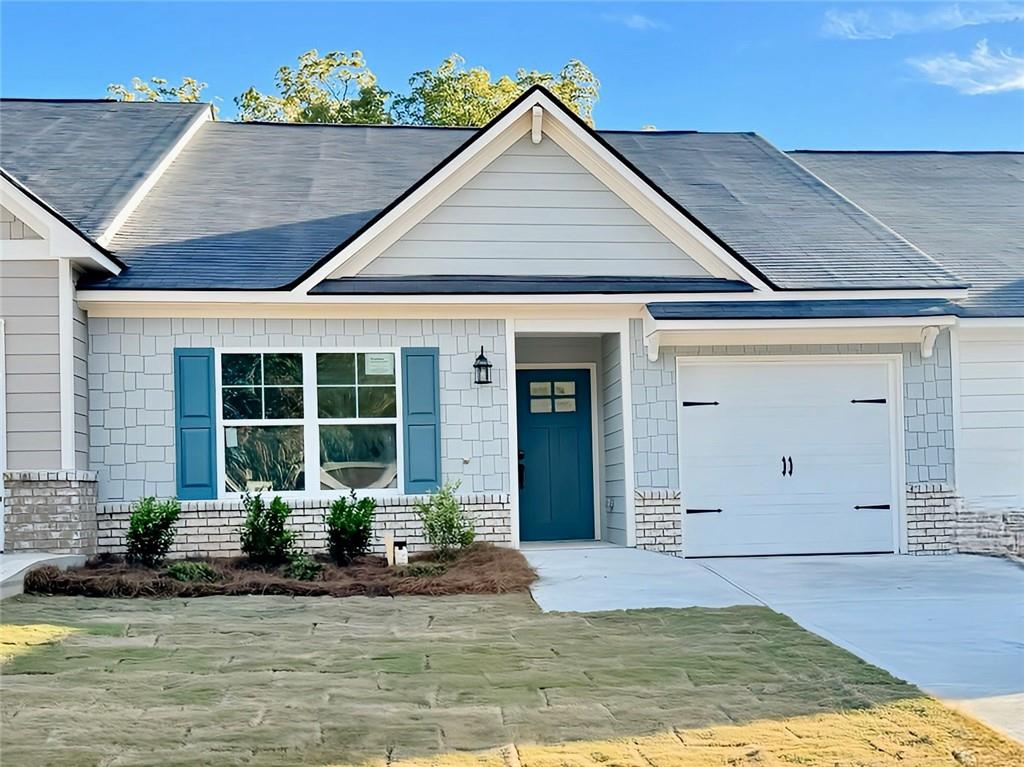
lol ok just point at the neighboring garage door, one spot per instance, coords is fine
(786, 457)
(990, 455)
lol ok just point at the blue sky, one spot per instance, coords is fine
(805, 75)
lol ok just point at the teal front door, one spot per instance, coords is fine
(556, 459)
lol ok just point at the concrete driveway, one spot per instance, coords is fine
(952, 625)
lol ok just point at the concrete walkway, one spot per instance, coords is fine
(13, 568)
(952, 625)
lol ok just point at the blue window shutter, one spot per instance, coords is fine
(195, 420)
(421, 419)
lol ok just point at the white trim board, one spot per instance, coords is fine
(221, 300)
(595, 436)
(62, 241)
(898, 455)
(581, 144)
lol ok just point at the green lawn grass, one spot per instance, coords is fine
(316, 681)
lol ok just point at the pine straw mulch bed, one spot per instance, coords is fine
(480, 569)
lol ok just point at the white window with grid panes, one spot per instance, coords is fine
(314, 421)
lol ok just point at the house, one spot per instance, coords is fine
(697, 343)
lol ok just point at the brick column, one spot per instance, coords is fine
(53, 511)
(659, 521)
(931, 518)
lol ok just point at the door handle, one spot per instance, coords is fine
(791, 466)
(522, 470)
(783, 465)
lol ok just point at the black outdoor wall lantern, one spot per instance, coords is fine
(482, 369)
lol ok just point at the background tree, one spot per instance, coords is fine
(454, 95)
(157, 89)
(337, 87)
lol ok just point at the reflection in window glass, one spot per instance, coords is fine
(377, 402)
(260, 387)
(260, 458)
(336, 401)
(565, 388)
(242, 402)
(282, 402)
(566, 405)
(241, 369)
(359, 456)
(282, 369)
(540, 406)
(356, 385)
(540, 388)
(336, 369)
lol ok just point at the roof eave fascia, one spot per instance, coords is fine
(78, 245)
(143, 188)
(571, 125)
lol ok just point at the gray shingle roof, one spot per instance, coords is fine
(777, 310)
(255, 206)
(966, 209)
(792, 227)
(86, 158)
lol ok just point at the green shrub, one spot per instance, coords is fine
(349, 527)
(445, 525)
(192, 572)
(151, 530)
(265, 539)
(302, 567)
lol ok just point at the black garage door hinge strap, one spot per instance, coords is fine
(703, 511)
(689, 403)
(874, 506)
(880, 401)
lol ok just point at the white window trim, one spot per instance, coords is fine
(311, 423)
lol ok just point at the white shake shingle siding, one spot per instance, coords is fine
(131, 386)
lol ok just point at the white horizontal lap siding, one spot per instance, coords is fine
(29, 305)
(613, 457)
(534, 211)
(81, 371)
(991, 449)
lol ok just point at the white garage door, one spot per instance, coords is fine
(990, 455)
(786, 457)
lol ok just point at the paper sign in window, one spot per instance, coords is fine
(379, 364)
(565, 405)
(565, 388)
(540, 388)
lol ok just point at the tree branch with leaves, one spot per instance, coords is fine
(340, 87)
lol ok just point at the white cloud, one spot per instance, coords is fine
(863, 24)
(634, 21)
(983, 71)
